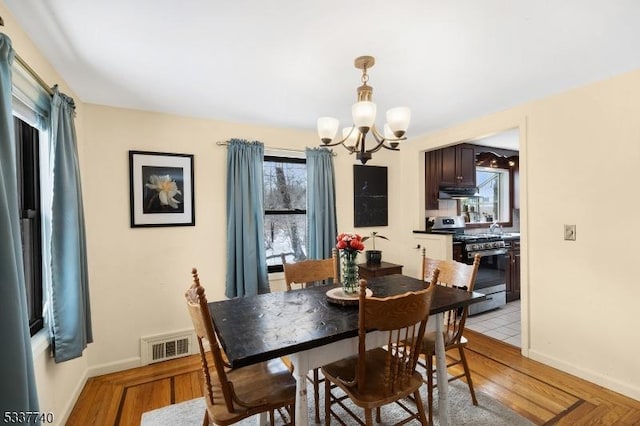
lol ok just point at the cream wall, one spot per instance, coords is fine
(580, 152)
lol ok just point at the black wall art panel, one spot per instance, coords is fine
(370, 199)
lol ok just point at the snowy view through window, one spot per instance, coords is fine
(285, 204)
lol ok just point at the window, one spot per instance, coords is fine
(28, 170)
(492, 204)
(285, 210)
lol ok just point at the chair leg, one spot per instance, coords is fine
(205, 421)
(378, 417)
(316, 393)
(421, 413)
(429, 372)
(368, 417)
(467, 373)
(293, 415)
(327, 402)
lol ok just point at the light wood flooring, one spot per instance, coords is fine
(542, 394)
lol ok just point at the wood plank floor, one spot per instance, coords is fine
(542, 394)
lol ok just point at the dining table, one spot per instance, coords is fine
(312, 330)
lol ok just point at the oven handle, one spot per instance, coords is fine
(484, 253)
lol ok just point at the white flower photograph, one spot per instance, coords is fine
(161, 189)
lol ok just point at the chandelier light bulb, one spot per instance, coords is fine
(364, 115)
(398, 119)
(350, 140)
(327, 128)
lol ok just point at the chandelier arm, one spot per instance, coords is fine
(381, 141)
(342, 142)
(335, 143)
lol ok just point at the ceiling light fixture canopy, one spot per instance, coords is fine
(363, 113)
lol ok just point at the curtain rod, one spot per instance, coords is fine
(225, 143)
(30, 70)
(34, 74)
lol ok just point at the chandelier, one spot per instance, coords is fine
(363, 113)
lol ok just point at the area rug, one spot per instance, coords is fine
(488, 412)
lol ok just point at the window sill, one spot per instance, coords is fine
(39, 343)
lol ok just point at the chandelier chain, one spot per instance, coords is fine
(365, 76)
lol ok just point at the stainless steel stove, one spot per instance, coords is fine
(491, 278)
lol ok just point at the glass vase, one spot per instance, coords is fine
(349, 275)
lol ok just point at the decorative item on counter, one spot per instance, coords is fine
(465, 213)
(374, 257)
(349, 245)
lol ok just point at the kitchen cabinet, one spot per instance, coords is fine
(513, 270)
(458, 166)
(433, 164)
(454, 166)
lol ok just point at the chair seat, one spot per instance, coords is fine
(267, 384)
(429, 342)
(373, 395)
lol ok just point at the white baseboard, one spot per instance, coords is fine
(112, 367)
(625, 388)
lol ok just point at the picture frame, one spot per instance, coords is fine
(161, 189)
(370, 196)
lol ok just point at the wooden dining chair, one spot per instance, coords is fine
(386, 375)
(304, 272)
(452, 274)
(311, 270)
(232, 394)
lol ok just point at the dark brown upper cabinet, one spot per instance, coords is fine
(458, 166)
(454, 166)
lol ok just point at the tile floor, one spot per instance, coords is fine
(502, 323)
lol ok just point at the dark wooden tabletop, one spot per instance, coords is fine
(258, 328)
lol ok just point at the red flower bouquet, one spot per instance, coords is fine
(349, 245)
(350, 242)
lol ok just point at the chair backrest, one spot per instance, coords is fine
(453, 274)
(311, 270)
(203, 325)
(404, 318)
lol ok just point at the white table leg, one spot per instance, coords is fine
(441, 368)
(300, 363)
(263, 419)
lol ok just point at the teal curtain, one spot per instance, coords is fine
(18, 391)
(70, 316)
(321, 203)
(246, 257)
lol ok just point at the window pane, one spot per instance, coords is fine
(28, 179)
(493, 202)
(285, 185)
(285, 233)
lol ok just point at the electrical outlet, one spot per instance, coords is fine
(570, 232)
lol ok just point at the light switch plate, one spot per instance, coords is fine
(570, 232)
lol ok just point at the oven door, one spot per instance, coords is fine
(493, 268)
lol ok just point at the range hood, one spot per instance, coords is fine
(457, 192)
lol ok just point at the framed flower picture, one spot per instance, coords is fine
(161, 189)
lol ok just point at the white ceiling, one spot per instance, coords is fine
(287, 62)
